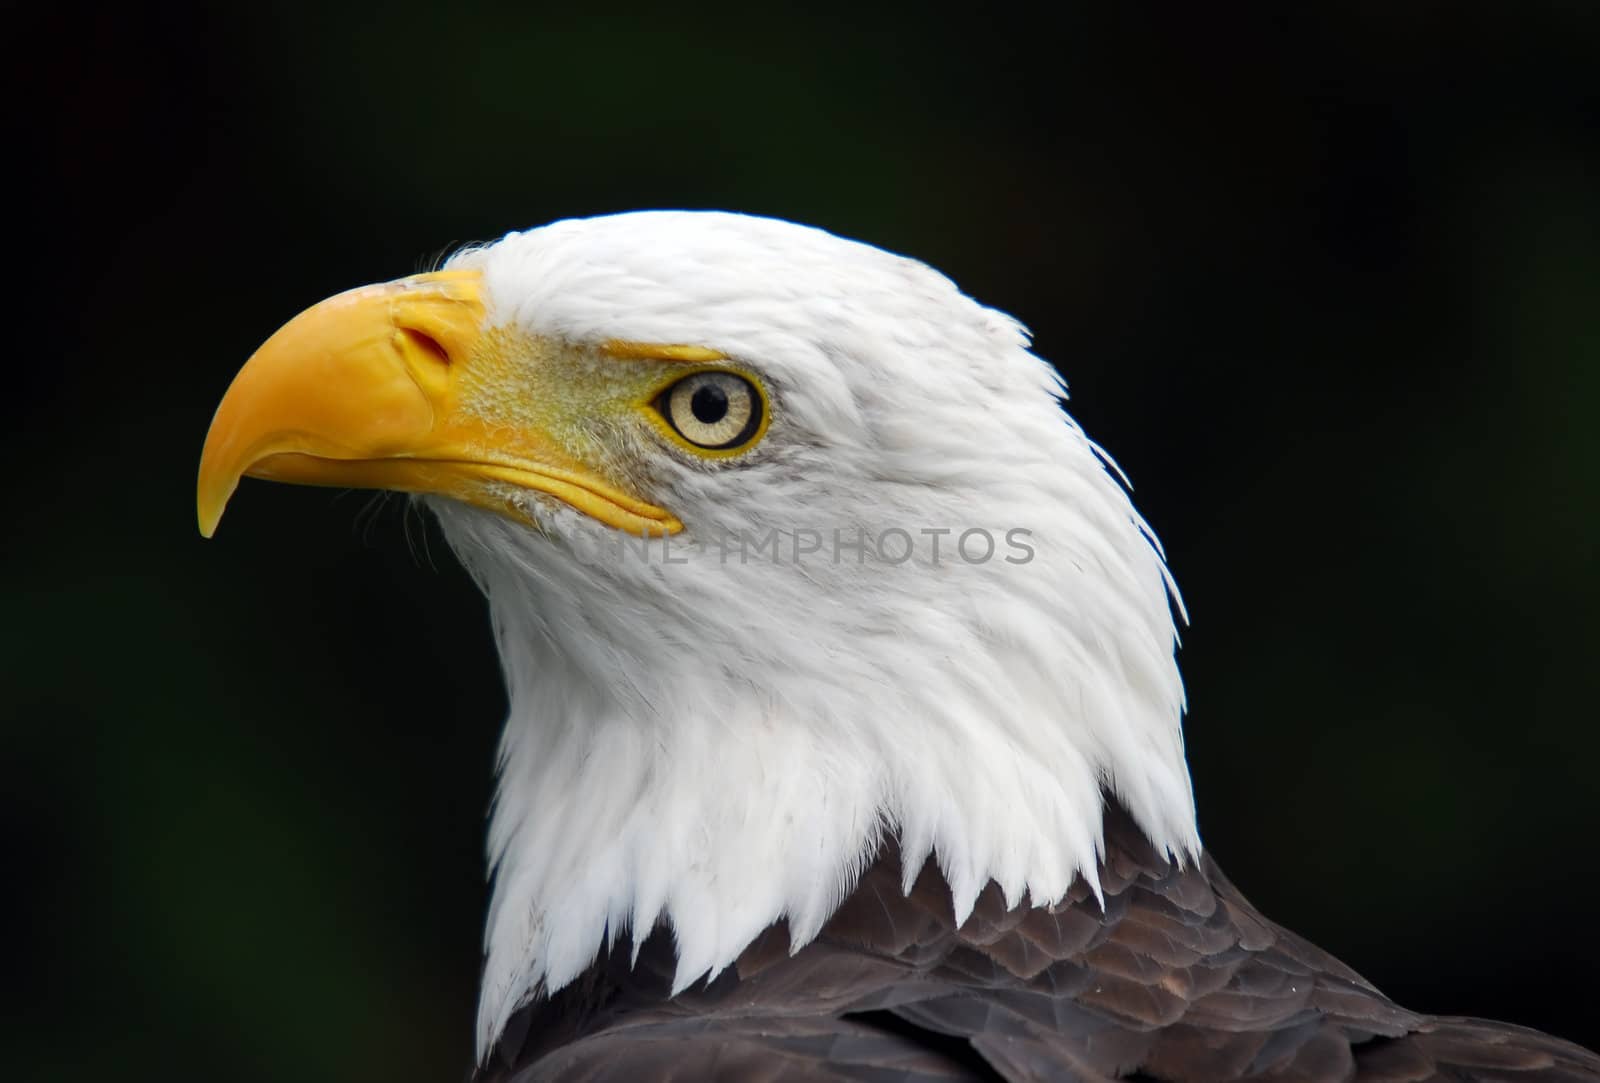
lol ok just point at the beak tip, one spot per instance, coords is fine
(209, 506)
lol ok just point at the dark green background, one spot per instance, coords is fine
(1328, 285)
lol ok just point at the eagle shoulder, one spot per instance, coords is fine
(1175, 978)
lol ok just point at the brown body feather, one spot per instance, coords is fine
(1177, 979)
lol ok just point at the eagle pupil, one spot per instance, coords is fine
(709, 404)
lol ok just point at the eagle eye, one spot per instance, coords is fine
(713, 410)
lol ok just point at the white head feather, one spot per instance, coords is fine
(719, 743)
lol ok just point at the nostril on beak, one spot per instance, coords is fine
(424, 345)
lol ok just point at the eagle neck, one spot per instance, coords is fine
(659, 768)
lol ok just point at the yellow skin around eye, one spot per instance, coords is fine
(578, 395)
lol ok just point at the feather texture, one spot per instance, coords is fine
(865, 815)
(720, 741)
(1177, 979)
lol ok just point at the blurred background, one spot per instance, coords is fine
(1327, 284)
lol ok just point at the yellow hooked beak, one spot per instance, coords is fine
(369, 389)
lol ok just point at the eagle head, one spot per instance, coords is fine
(789, 547)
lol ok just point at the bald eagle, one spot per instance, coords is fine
(845, 723)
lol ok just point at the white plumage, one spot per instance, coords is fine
(720, 744)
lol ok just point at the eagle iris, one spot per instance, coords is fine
(714, 410)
